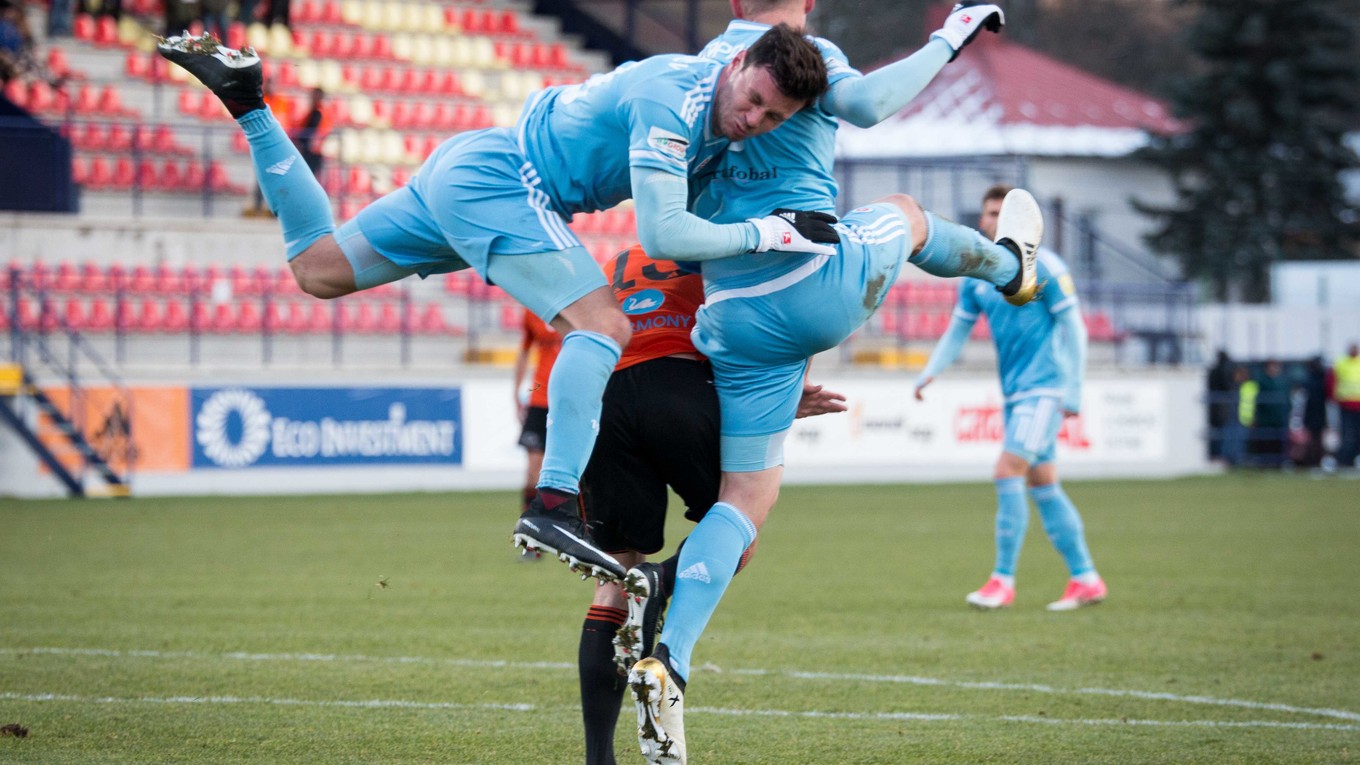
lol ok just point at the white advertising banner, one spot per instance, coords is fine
(961, 423)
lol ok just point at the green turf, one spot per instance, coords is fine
(398, 629)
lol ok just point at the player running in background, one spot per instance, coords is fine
(762, 319)
(658, 430)
(541, 341)
(499, 200)
(1041, 356)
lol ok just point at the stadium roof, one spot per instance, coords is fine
(1001, 98)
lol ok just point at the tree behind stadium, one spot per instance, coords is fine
(1258, 172)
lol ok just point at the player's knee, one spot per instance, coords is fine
(617, 327)
(322, 270)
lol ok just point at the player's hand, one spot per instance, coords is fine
(921, 385)
(797, 231)
(967, 19)
(816, 400)
(521, 411)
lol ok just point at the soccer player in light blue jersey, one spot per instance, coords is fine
(763, 319)
(1041, 355)
(499, 201)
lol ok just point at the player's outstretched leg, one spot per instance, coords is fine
(660, 697)
(236, 78)
(951, 250)
(646, 590)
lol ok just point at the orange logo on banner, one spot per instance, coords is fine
(157, 419)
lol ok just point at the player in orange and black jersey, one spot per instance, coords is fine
(658, 429)
(538, 338)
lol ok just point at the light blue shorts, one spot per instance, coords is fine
(475, 203)
(1032, 425)
(760, 338)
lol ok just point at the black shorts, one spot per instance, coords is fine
(658, 428)
(535, 433)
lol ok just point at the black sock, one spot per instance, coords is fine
(601, 685)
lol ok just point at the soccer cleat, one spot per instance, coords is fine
(646, 602)
(526, 555)
(562, 532)
(234, 76)
(660, 699)
(1078, 595)
(994, 594)
(1020, 229)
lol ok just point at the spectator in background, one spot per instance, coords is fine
(311, 130)
(1243, 402)
(1343, 385)
(279, 11)
(1314, 413)
(179, 14)
(282, 106)
(1221, 404)
(245, 11)
(1270, 421)
(59, 18)
(215, 17)
(17, 51)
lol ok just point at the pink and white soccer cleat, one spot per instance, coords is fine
(994, 594)
(1078, 595)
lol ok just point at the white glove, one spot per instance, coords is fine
(797, 231)
(967, 19)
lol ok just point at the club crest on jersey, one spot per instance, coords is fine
(645, 301)
(668, 143)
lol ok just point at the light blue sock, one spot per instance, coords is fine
(1012, 519)
(954, 250)
(1063, 525)
(575, 388)
(707, 563)
(293, 193)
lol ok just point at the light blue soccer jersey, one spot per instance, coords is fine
(1028, 352)
(659, 108)
(789, 167)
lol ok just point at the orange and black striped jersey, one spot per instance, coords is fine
(659, 299)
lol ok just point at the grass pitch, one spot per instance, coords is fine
(399, 629)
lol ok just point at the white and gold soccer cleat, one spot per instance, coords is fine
(660, 699)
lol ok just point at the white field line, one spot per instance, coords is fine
(826, 676)
(445, 706)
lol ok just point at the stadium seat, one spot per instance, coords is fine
(248, 317)
(168, 280)
(124, 174)
(101, 316)
(92, 278)
(66, 277)
(431, 321)
(147, 178)
(320, 318)
(105, 32)
(73, 314)
(149, 316)
(175, 318)
(84, 27)
(80, 171)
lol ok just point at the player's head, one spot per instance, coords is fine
(754, 9)
(767, 83)
(991, 209)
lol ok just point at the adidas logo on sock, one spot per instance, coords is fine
(281, 167)
(698, 572)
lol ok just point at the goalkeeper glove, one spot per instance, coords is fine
(797, 231)
(966, 20)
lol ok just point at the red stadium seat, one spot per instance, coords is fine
(100, 317)
(124, 175)
(175, 318)
(93, 278)
(431, 320)
(248, 317)
(149, 317)
(73, 314)
(84, 27)
(80, 171)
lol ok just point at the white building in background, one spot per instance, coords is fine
(1071, 131)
